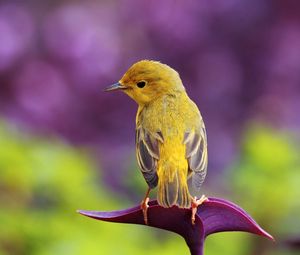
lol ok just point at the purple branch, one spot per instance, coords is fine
(215, 215)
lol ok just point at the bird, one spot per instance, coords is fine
(170, 136)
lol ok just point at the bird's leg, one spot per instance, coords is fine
(144, 206)
(195, 203)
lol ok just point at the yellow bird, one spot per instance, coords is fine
(171, 143)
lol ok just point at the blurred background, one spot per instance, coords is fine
(66, 145)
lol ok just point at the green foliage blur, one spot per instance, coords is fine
(44, 181)
(42, 184)
(266, 182)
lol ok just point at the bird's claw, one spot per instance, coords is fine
(144, 207)
(195, 203)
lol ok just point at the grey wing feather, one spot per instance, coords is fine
(147, 150)
(196, 154)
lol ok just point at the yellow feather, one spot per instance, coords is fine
(165, 115)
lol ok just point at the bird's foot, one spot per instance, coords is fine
(195, 203)
(144, 207)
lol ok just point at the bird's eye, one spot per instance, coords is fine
(141, 84)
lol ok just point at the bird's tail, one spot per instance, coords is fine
(173, 189)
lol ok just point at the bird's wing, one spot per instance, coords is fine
(147, 151)
(196, 154)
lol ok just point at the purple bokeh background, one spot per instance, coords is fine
(239, 60)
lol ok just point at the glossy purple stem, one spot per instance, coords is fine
(215, 215)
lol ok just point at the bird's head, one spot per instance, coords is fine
(147, 80)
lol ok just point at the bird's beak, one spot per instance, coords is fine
(116, 86)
